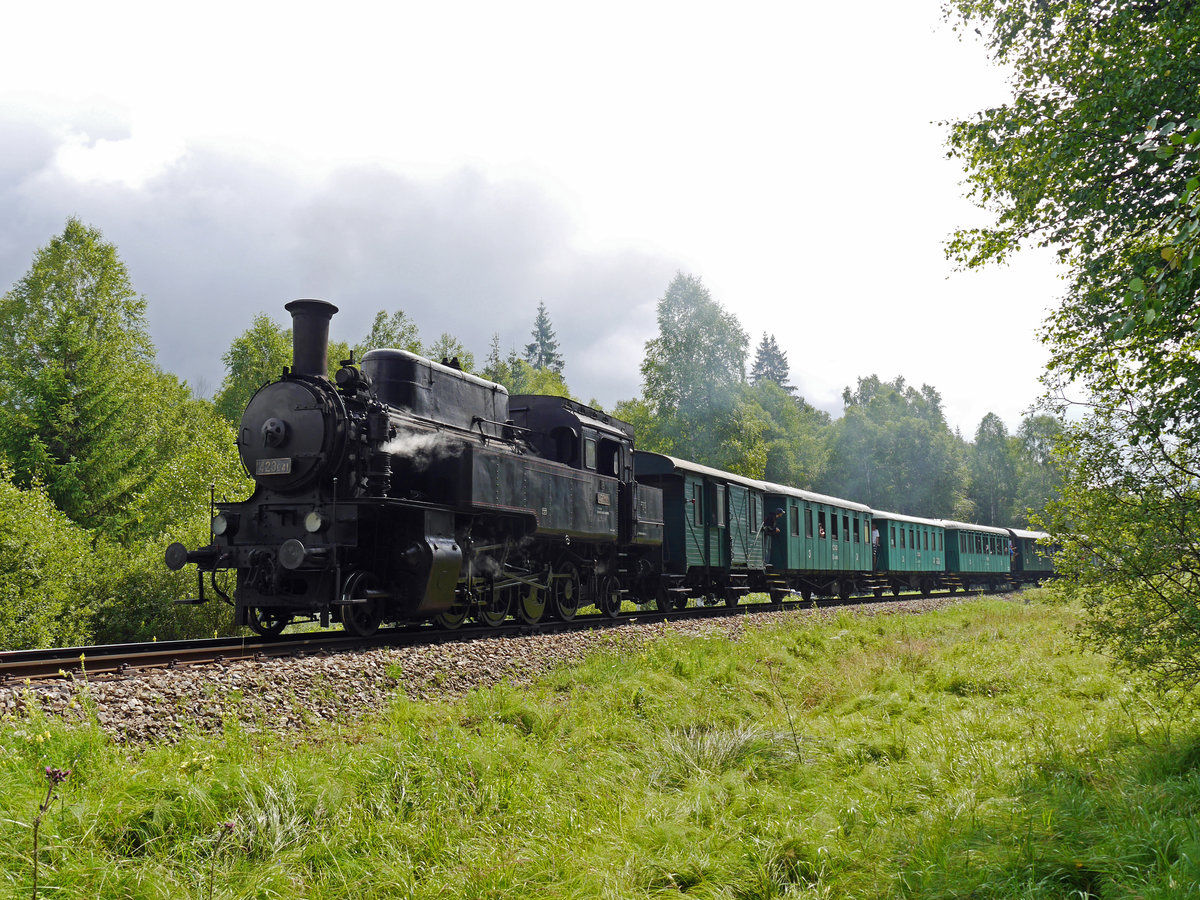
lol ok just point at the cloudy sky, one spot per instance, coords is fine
(463, 161)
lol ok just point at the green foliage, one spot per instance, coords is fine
(519, 376)
(992, 473)
(48, 576)
(542, 352)
(696, 401)
(1130, 531)
(256, 356)
(796, 436)
(699, 354)
(396, 332)
(1097, 153)
(894, 451)
(448, 347)
(75, 364)
(1039, 475)
(260, 354)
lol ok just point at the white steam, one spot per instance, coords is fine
(422, 450)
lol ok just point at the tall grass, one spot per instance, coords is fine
(974, 752)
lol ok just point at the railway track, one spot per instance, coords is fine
(117, 659)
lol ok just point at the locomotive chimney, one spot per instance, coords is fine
(310, 336)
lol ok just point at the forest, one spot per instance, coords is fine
(106, 458)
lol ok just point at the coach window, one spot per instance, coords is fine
(821, 523)
(903, 546)
(926, 540)
(893, 531)
(845, 528)
(696, 520)
(857, 535)
(833, 531)
(719, 505)
(808, 532)
(794, 521)
(912, 542)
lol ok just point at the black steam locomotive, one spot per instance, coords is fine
(408, 490)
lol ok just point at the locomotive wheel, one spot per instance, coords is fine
(609, 598)
(531, 604)
(267, 621)
(361, 619)
(565, 593)
(454, 616)
(495, 604)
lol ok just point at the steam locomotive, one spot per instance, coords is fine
(409, 490)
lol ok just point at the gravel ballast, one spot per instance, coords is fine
(298, 693)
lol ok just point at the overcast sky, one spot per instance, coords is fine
(463, 161)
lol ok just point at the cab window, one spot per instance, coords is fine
(609, 458)
(589, 453)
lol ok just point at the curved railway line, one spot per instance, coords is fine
(117, 659)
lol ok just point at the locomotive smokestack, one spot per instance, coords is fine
(310, 336)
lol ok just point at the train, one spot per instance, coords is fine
(405, 490)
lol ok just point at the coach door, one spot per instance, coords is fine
(695, 522)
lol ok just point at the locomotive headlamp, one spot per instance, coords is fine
(315, 522)
(224, 523)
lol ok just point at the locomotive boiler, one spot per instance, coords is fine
(408, 490)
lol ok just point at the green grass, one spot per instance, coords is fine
(973, 752)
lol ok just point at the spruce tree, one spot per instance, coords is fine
(77, 380)
(770, 364)
(542, 351)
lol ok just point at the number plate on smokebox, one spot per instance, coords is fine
(273, 466)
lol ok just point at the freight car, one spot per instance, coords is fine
(408, 490)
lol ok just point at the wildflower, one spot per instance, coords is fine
(56, 776)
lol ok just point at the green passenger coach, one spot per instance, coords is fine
(824, 543)
(977, 555)
(713, 530)
(1032, 558)
(911, 554)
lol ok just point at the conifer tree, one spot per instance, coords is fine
(542, 351)
(77, 380)
(770, 364)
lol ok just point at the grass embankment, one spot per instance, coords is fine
(970, 752)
